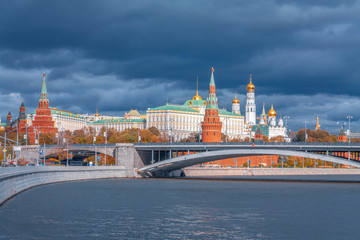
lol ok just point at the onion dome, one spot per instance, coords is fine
(96, 114)
(271, 112)
(250, 87)
(236, 100)
(197, 97)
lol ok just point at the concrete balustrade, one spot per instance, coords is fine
(15, 180)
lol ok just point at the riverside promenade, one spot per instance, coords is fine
(277, 174)
(14, 180)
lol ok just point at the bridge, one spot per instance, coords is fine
(159, 159)
(169, 157)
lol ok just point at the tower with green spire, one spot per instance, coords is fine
(44, 100)
(211, 126)
(43, 121)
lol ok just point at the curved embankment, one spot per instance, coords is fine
(15, 180)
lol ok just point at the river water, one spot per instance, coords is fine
(183, 209)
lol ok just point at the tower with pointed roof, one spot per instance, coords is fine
(22, 118)
(263, 118)
(211, 126)
(43, 121)
(317, 127)
(258, 135)
(342, 136)
(8, 121)
(250, 108)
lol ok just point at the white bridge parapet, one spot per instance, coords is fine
(15, 180)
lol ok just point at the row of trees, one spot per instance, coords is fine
(152, 135)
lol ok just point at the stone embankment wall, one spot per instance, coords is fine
(18, 179)
(221, 172)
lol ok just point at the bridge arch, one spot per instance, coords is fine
(208, 156)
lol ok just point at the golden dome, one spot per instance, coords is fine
(197, 97)
(236, 100)
(250, 87)
(271, 112)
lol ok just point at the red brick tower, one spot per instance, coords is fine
(258, 135)
(342, 135)
(22, 118)
(43, 121)
(8, 121)
(211, 126)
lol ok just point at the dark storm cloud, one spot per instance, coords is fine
(117, 55)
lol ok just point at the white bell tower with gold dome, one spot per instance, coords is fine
(250, 108)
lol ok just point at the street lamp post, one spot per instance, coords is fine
(106, 142)
(305, 122)
(286, 117)
(67, 153)
(58, 124)
(349, 117)
(26, 134)
(4, 149)
(95, 148)
(17, 134)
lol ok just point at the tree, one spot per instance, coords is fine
(193, 137)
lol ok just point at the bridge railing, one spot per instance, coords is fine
(251, 143)
(78, 145)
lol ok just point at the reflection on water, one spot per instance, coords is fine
(182, 209)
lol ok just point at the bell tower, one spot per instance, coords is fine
(250, 108)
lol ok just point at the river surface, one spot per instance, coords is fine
(183, 209)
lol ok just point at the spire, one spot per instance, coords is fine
(197, 85)
(317, 127)
(9, 114)
(263, 110)
(43, 88)
(212, 81)
(44, 100)
(22, 104)
(212, 100)
(197, 97)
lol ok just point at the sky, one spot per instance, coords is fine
(121, 55)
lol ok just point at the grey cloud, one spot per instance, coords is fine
(136, 54)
